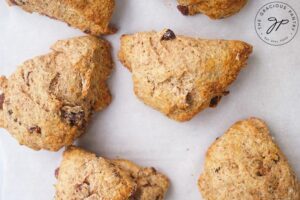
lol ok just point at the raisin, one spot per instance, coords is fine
(214, 101)
(183, 9)
(159, 197)
(74, 116)
(153, 170)
(35, 129)
(2, 98)
(22, 2)
(13, 2)
(136, 195)
(85, 184)
(226, 93)
(28, 79)
(189, 99)
(168, 35)
(259, 173)
(56, 173)
(87, 31)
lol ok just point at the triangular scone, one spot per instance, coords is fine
(91, 17)
(180, 76)
(83, 175)
(246, 164)
(48, 101)
(215, 9)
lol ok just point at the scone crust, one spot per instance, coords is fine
(246, 164)
(151, 185)
(83, 175)
(49, 100)
(92, 17)
(182, 76)
(215, 9)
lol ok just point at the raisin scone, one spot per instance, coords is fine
(49, 100)
(181, 76)
(92, 17)
(246, 164)
(215, 9)
(83, 175)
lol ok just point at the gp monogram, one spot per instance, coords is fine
(276, 23)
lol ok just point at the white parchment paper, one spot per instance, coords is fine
(268, 88)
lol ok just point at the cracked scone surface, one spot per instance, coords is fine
(151, 185)
(215, 9)
(48, 101)
(246, 164)
(180, 76)
(84, 176)
(89, 16)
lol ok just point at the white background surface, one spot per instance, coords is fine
(267, 88)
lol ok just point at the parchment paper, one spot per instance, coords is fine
(268, 88)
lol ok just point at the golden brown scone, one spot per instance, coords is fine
(48, 101)
(83, 175)
(180, 76)
(246, 164)
(215, 9)
(91, 17)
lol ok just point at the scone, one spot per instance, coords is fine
(215, 9)
(49, 100)
(91, 17)
(181, 76)
(83, 175)
(246, 164)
